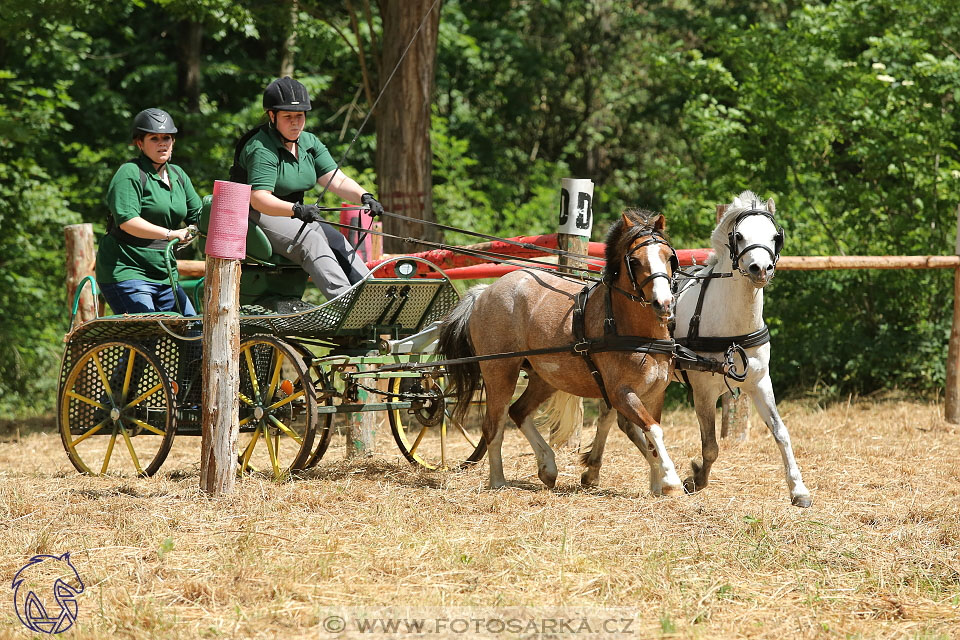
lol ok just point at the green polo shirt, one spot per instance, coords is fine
(167, 206)
(271, 167)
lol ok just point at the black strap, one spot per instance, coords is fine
(584, 346)
(132, 240)
(718, 344)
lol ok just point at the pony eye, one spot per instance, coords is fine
(738, 237)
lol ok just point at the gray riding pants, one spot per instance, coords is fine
(320, 249)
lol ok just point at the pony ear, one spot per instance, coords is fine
(627, 223)
(737, 203)
(660, 223)
(772, 208)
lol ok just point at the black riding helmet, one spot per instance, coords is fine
(286, 94)
(152, 121)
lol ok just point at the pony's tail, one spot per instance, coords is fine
(453, 343)
(562, 414)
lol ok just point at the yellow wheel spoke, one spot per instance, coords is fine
(90, 401)
(287, 400)
(143, 396)
(443, 445)
(249, 450)
(127, 375)
(244, 399)
(416, 443)
(148, 427)
(273, 456)
(103, 375)
(275, 378)
(106, 457)
(133, 454)
(252, 371)
(89, 433)
(287, 430)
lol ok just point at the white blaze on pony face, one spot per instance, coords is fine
(662, 295)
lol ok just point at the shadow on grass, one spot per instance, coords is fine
(13, 429)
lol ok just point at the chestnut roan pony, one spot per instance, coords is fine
(628, 347)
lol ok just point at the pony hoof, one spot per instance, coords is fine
(548, 477)
(672, 490)
(494, 486)
(690, 485)
(804, 502)
(587, 480)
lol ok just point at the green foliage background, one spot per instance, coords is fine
(845, 112)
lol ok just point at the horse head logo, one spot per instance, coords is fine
(45, 593)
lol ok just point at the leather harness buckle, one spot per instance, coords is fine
(582, 347)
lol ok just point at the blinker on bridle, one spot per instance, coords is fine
(655, 238)
(732, 239)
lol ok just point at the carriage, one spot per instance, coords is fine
(129, 384)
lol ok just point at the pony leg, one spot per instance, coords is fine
(766, 405)
(638, 438)
(594, 458)
(521, 412)
(499, 393)
(649, 439)
(705, 406)
(493, 434)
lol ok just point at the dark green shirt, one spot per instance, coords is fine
(271, 167)
(167, 206)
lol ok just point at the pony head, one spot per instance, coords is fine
(45, 591)
(638, 245)
(749, 236)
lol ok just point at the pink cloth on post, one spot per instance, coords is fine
(227, 231)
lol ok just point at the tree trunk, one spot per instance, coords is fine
(404, 156)
(286, 53)
(188, 62)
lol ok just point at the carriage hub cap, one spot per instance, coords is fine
(258, 413)
(114, 414)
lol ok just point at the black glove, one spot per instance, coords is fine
(376, 209)
(307, 212)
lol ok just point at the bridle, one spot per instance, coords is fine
(732, 239)
(655, 237)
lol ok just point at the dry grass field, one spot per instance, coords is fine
(878, 555)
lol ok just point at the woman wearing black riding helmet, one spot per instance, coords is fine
(149, 200)
(282, 161)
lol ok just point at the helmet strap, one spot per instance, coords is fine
(273, 125)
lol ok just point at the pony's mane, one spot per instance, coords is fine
(620, 237)
(718, 239)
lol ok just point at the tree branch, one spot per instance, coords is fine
(363, 61)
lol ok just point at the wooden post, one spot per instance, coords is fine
(573, 235)
(80, 264)
(734, 411)
(361, 428)
(221, 376)
(225, 247)
(952, 400)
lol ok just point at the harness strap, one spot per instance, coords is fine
(718, 343)
(583, 346)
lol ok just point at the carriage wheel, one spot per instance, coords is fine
(428, 434)
(116, 411)
(278, 408)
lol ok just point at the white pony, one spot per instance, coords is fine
(746, 244)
